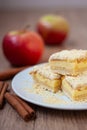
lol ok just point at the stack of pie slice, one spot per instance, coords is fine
(66, 71)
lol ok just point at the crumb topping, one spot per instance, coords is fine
(79, 81)
(45, 71)
(69, 55)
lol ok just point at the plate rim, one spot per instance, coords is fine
(82, 106)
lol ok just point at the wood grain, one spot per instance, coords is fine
(47, 119)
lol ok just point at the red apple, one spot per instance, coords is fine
(53, 28)
(23, 47)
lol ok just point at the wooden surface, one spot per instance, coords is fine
(47, 119)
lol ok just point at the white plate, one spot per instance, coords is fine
(22, 85)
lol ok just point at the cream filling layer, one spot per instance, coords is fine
(72, 67)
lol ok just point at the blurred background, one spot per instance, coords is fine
(16, 14)
(39, 4)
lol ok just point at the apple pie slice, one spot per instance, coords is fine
(69, 62)
(75, 87)
(43, 75)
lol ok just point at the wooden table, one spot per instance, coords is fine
(47, 119)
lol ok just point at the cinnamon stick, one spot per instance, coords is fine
(1, 85)
(17, 106)
(3, 90)
(9, 73)
(27, 107)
